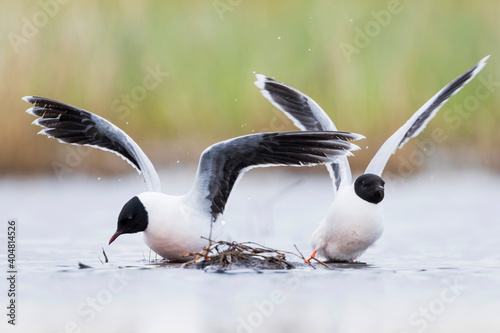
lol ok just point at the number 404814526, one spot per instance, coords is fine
(11, 244)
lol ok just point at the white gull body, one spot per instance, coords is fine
(350, 227)
(175, 228)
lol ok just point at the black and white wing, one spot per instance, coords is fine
(223, 163)
(72, 125)
(307, 115)
(419, 120)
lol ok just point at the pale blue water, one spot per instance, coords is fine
(435, 269)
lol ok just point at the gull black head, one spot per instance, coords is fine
(133, 218)
(370, 188)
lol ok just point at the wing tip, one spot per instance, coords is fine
(485, 58)
(357, 136)
(43, 132)
(345, 151)
(260, 84)
(261, 81)
(480, 65)
(355, 147)
(29, 99)
(31, 111)
(350, 136)
(261, 77)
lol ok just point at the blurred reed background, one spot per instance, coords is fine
(92, 54)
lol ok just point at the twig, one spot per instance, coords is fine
(262, 247)
(105, 256)
(322, 263)
(303, 258)
(245, 254)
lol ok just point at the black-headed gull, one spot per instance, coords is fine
(173, 225)
(354, 220)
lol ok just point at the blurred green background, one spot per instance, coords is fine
(98, 56)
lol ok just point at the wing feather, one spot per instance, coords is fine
(223, 163)
(416, 124)
(76, 126)
(307, 115)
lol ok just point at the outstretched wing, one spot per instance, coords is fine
(419, 120)
(72, 125)
(223, 163)
(307, 115)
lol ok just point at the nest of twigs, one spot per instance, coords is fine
(223, 255)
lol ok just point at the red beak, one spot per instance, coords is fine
(115, 236)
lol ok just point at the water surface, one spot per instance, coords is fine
(435, 269)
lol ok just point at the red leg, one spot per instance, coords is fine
(312, 256)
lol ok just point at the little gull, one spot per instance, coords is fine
(174, 225)
(354, 220)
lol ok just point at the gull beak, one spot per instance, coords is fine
(115, 236)
(380, 187)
